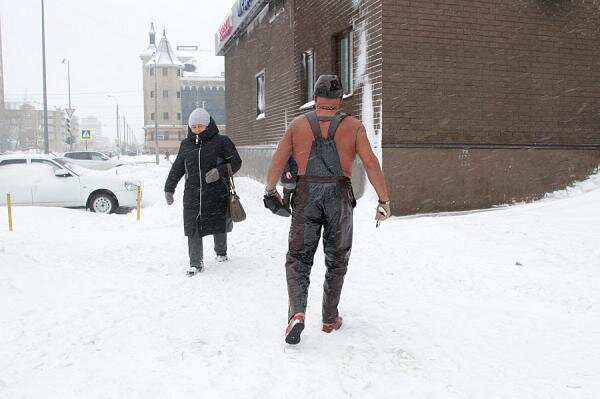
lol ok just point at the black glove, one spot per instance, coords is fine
(273, 203)
(169, 198)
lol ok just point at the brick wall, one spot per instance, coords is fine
(477, 85)
(486, 71)
(267, 47)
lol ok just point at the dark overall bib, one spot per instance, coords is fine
(323, 200)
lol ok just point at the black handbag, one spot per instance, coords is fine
(236, 210)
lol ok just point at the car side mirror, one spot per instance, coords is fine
(105, 158)
(62, 173)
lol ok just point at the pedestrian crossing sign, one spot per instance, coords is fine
(86, 134)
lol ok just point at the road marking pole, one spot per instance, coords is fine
(8, 205)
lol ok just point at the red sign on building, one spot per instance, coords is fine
(226, 29)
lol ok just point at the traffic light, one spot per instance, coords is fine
(68, 126)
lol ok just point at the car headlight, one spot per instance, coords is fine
(130, 186)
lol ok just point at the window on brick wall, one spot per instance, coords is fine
(165, 93)
(179, 116)
(166, 116)
(345, 56)
(178, 94)
(260, 94)
(308, 62)
(151, 71)
(152, 94)
(152, 116)
(165, 71)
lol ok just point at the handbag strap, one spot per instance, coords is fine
(231, 178)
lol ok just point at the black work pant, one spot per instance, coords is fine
(196, 251)
(319, 206)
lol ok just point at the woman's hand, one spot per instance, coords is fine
(212, 175)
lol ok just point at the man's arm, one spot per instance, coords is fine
(371, 164)
(279, 160)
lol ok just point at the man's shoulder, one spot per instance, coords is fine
(352, 122)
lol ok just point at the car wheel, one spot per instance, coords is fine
(103, 203)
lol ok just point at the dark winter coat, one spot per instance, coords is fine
(205, 205)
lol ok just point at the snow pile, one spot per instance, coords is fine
(578, 188)
(501, 304)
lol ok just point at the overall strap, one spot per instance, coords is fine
(314, 124)
(335, 123)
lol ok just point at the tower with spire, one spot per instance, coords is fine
(162, 90)
(172, 85)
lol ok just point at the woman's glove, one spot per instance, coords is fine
(169, 198)
(212, 175)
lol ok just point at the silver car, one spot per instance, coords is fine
(92, 160)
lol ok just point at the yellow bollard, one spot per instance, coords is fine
(8, 205)
(139, 201)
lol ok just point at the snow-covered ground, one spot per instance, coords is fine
(499, 304)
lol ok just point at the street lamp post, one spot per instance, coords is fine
(68, 62)
(46, 144)
(117, 124)
(70, 110)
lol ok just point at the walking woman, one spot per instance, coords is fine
(206, 158)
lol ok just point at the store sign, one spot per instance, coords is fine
(243, 6)
(239, 14)
(226, 29)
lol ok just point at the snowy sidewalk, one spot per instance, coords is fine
(500, 304)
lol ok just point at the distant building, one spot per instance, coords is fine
(24, 128)
(172, 89)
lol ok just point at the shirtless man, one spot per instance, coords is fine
(324, 143)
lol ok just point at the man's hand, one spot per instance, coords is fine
(275, 194)
(169, 198)
(383, 212)
(212, 175)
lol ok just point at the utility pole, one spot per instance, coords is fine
(116, 123)
(69, 110)
(46, 144)
(125, 134)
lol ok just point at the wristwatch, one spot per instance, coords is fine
(270, 193)
(384, 202)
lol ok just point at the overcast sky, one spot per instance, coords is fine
(103, 41)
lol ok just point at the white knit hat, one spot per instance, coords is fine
(199, 117)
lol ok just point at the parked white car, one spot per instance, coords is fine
(93, 160)
(41, 180)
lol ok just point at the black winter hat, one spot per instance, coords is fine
(328, 86)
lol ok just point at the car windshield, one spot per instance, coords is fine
(65, 163)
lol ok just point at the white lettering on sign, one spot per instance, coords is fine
(244, 5)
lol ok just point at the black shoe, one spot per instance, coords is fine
(192, 270)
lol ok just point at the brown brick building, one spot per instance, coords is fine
(469, 103)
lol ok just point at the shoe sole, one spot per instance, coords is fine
(190, 273)
(293, 337)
